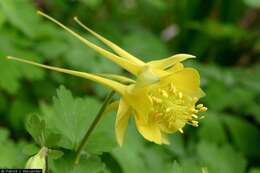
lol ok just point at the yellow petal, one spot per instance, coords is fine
(168, 62)
(119, 78)
(124, 63)
(177, 67)
(122, 118)
(178, 124)
(137, 98)
(186, 80)
(149, 131)
(162, 73)
(120, 88)
(112, 45)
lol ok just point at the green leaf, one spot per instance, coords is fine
(177, 144)
(212, 129)
(66, 164)
(11, 153)
(19, 110)
(129, 155)
(186, 167)
(52, 48)
(92, 3)
(149, 49)
(219, 159)
(254, 170)
(55, 154)
(2, 18)
(51, 138)
(35, 126)
(22, 15)
(30, 149)
(244, 135)
(3, 103)
(82, 57)
(4, 134)
(252, 3)
(136, 156)
(177, 168)
(12, 72)
(70, 118)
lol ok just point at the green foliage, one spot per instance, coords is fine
(65, 123)
(90, 164)
(253, 3)
(222, 34)
(221, 159)
(12, 155)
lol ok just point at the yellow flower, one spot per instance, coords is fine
(162, 98)
(38, 161)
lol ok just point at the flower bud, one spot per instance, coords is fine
(38, 161)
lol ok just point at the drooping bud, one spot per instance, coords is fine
(38, 161)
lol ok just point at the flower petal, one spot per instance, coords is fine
(120, 88)
(177, 67)
(168, 62)
(186, 80)
(137, 98)
(124, 63)
(149, 131)
(122, 118)
(162, 73)
(112, 45)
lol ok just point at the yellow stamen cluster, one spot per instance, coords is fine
(172, 109)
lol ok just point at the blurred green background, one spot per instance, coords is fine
(223, 34)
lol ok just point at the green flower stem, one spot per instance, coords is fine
(93, 125)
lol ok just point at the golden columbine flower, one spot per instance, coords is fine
(38, 161)
(162, 99)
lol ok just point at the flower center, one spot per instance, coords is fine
(172, 109)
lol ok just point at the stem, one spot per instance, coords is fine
(93, 125)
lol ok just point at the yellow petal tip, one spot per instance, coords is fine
(188, 55)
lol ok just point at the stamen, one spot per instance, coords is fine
(173, 109)
(156, 100)
(194, 116)
(172, 88)
(193, 110)
(199, 106)
(180, 130)
(169, 109)
(202, 117)
(150, 99)
(195, 123)
(180, 95)
(164, 93)
(203, 109)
